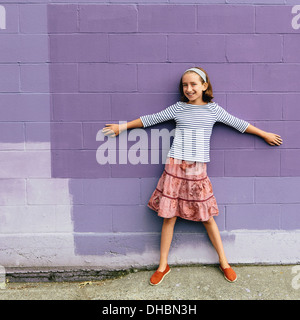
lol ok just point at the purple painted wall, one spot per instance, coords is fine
(68, 68)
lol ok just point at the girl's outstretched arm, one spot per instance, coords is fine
(271, 138)
(114, 129)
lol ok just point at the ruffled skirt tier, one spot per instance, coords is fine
(184, 190)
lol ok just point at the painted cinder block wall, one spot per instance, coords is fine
(69, 67)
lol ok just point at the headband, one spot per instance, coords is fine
(198, 71)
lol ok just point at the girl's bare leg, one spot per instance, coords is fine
(165, 243)
(215, 238)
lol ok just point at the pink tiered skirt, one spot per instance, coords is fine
(184, 190)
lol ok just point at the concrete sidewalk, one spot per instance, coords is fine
(280, 282)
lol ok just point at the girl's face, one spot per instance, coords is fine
(193, 88)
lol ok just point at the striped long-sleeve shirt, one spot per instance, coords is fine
(193, 130)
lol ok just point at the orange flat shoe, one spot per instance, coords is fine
(158, 276)
(229, 274)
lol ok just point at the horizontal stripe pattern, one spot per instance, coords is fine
(194, 124)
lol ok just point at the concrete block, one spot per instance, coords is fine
(111, 191)
(34, 78)
(215, 168)
(62, 18)
(289, 165)
(77, 164)
(12, 136)
(34, 18)
(276, 77)
(255, 106)
(232, 77)
(94, 77)
(135, 219)
(225, 19)
(166, 18)
(24, 48)
(81, 107)
(252, 163)
(114, 243)
(27, 219)
(277, 190)
(254, 48)
(138, 48)
(10, 78)
(290, 219)
(63, 78)
(290, 106)
(226, 137)
(253, 217)
(51, 192)
(291, 48)
(88, 218)
(37, 135)
(78, 47)
(107, 18)
(230, 190)
(13, 192)
(66, 135)
(25, 107)
(204, 48)
(25, 164)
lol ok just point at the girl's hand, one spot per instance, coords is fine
(112, 129)
(272, 139)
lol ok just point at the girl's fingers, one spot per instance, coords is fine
(108, 126)
(106, 133)
(276, 140)
(277, 143)
(108, 129)
(109, 133)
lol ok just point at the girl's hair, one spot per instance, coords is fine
(207, 94)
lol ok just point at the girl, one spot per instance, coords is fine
(184, 189)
